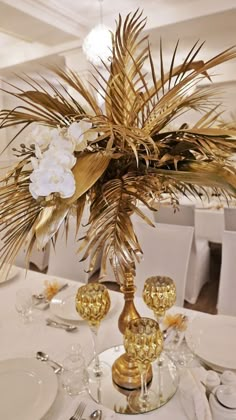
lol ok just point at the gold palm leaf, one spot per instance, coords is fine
(136, 154)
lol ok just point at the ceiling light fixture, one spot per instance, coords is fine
(97, 44)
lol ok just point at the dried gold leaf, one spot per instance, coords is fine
(48, 223)
(87, 170)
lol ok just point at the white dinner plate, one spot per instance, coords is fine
(28, 388)
(11, 275)
(213, 340)
(63, 305)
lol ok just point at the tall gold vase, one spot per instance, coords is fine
(125, 372)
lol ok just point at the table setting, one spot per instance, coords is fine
(54, 364)
(62, 356)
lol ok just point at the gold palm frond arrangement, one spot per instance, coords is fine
(113, 156)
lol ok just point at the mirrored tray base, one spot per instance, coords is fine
(104, 391)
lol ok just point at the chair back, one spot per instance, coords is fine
(230, 218)
(64, 259)
(226, 295)
(166, 252)
(183, 215)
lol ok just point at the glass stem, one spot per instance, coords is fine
(159, 319)
(96, 369)
(144, 391)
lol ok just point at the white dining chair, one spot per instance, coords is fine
(199, 262)
(64, 259)
(40, 258)
(166, 252)
(230, 218)
(226, 303)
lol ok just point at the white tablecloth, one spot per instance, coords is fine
(19, 340)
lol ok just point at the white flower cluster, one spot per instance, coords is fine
(54, 158)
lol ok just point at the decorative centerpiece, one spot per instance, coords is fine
(129, 150)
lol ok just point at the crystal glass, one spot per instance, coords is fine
(74, 376)
(159, 294)
(24, 304)
(143, 342)
(93, 304)
(178, 349)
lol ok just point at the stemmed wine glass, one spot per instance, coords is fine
(143, 342)
(92, 304)
(159, 294)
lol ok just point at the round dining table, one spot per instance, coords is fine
(19, 340)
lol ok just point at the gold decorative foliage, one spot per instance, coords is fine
(138, 150)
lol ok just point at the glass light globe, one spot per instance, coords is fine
(97, 44)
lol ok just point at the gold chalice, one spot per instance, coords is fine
(159, 294)
(92, 304)
(143, 342)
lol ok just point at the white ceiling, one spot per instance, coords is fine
(35, 30)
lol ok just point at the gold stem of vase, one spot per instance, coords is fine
(129, 311)
(125, 372)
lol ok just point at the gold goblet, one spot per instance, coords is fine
(93, 303)
(143, 342)
(159, 294)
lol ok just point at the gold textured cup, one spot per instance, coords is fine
(93, 303)
(143, 342)
(159, 294)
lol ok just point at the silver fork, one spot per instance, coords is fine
(78, 412)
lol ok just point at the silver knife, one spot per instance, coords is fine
(65, 326)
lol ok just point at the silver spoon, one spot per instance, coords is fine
(97, 414)
(44, 357)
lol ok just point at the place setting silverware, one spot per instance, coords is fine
(44, 357)
(78, 412)
(65, 326)
(95, 415)
(40, 300)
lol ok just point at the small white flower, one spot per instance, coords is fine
(35, 163)
(40, 136)
(53, 180)
(59, 141)
(38, 152)
(80, 134)
(60, 157)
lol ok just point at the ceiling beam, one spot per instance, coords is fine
(163, 14)
(29, 52)
(54, 17)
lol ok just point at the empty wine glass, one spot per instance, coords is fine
(92, 304)
(143, 342)
(24, 304)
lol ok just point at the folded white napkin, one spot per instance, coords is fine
(192, 394)
(44, 304)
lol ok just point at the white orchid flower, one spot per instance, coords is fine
(53, 180)
(41, 136)
(60, 157)
(60, 141)
(80, 134)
